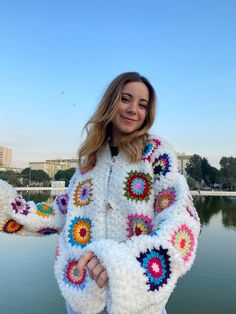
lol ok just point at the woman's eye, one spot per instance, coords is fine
(143, 105)
(124, 98)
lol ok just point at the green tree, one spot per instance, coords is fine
(228, 172)
(210, 174)
(64, 175)
(194, 168)
(215, 176)
(199, 169)
(11, 177)
(206, 170)
(39, 176)
(34, 176)
(26, 176)
(25, 172)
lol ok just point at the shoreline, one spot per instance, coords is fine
(195, 193)
(213, 193)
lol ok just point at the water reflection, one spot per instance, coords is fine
(229, 214)
(208, 206)
(37, 197)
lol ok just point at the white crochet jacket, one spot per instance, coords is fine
(138, 218)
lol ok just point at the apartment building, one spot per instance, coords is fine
(5, 157)
(51, 166)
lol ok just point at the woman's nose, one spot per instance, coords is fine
(132, 108)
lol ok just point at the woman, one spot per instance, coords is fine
(130, 230)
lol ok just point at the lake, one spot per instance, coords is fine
(27, 284)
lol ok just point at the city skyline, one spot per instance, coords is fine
(57, 59)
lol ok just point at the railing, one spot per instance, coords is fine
(201, 193)
(214, 193)
(37, 188)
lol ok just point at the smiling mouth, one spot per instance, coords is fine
(128, 119)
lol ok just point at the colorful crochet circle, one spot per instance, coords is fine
(45, 210)
(12, 226)
(47, 231)
(138, 225)
(161, 166)
(183, 241)
(71, 274)
(83, 193)
(79, 231)
(164, 199)
(149, 149)
(62, 202)
(156, 264)
(138, 186)
(20, 206)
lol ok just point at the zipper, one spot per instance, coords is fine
(108, 206)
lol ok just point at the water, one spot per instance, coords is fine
(210, 286)
(27, 284)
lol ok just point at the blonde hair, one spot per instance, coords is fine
(99, 126)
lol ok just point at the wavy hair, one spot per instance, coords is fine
(99, 126)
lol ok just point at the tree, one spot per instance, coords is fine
(64, 175)
(29, 175)
(11, 177)
(210, 174)
(215, 176)
(199, 169)
(206, 170)
(25, 172)
(39, 176)
(228, 172)
(194, 168)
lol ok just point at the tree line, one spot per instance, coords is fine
(29, 177)
(200, 174)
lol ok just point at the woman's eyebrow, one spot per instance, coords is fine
(128, 94)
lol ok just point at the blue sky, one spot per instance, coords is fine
(57, 57)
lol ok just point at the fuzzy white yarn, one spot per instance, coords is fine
(108, 209)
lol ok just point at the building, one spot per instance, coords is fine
(53, 165)
(5, 157)
(18, 170)
(182, 162)
(40, 165)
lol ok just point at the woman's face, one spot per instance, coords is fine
(132, 110)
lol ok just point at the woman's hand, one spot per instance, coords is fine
(96, 271)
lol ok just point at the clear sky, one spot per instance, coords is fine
(57, 57)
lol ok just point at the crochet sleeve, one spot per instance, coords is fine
(143, 270)
(27, 218)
